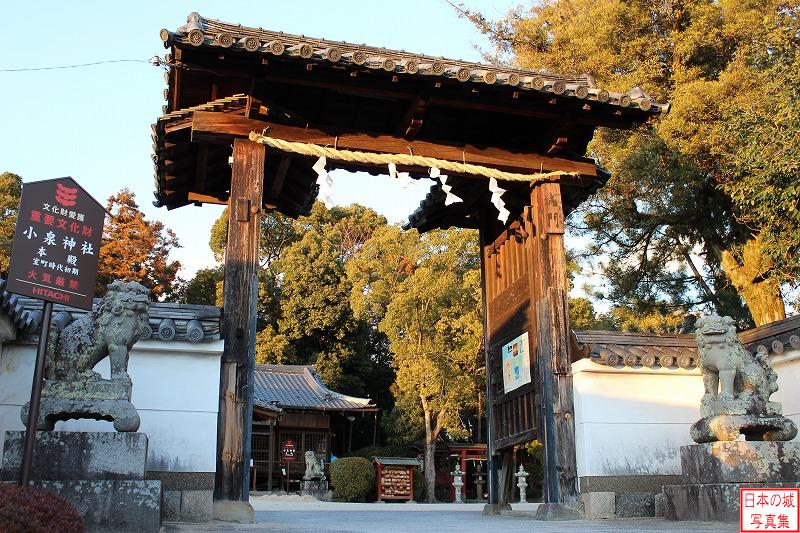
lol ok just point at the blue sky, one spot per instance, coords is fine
(93, 123)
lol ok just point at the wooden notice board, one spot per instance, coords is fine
(396, 478)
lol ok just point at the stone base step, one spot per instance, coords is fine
(115, 505)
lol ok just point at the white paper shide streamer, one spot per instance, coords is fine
(324, 181)
(497, 200)
(403, 177)
(450, 198)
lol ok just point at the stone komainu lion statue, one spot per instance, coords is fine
(738, 385)
(730, 372)
(313, 467)
(109, 329)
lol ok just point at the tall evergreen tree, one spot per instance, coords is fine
(136, 249)
(701, 207)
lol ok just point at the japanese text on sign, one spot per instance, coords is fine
(769, 509)
(288, 451)
(58, 235)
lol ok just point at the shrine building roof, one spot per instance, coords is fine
(299, 387)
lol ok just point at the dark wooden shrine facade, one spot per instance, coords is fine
(226, 80)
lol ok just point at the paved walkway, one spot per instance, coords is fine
(321, 517)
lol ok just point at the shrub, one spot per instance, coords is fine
(352, 478)
(33, 510)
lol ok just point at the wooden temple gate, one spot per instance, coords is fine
(249, 111)
(524, 277)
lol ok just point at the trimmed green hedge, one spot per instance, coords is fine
(352, 478)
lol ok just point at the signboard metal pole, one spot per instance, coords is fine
(36, 395)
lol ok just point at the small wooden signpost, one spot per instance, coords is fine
(288, 454)
(54, 258)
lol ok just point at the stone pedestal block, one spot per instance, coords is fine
(559, 511)
(318, 489)
(197, 506)
(635, 504)
(233, 511)
(597, 505)
(713, 502)
(112, 505)
(65, 455)
(714, 472)
(101, 474)
(100, 399)
(741, 462)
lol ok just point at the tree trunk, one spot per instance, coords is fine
(429, 450)
(430, 467)
(751, 278)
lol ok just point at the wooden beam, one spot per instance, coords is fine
(238, 325)
(457, 96)
(205, 199)
(414, 117)
(277, 183)
(223, 128)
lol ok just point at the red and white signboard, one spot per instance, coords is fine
(288, 451)
(769, 510)
(56, 244)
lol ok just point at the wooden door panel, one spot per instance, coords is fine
(508, 283)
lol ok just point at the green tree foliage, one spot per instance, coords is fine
(202, 289)
(701, 207)
(277, 232)
(431, 292)
(304, 315)
(313, 321)
(136, 249)
(10, 190)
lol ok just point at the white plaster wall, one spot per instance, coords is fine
(633, 421)
(787, 366)
(175, 390)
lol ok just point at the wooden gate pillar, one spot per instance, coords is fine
(238, 324)
(553, 360)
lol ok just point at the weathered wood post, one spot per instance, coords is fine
(557, 412)
(236, 374)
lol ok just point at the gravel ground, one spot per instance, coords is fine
(287, 514)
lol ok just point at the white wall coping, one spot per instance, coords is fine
(787, 357)
(587, 365)
(182, 347)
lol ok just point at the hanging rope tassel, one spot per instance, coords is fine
(497, 200)
(324, 181)
(450, 198)
(403, 177)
